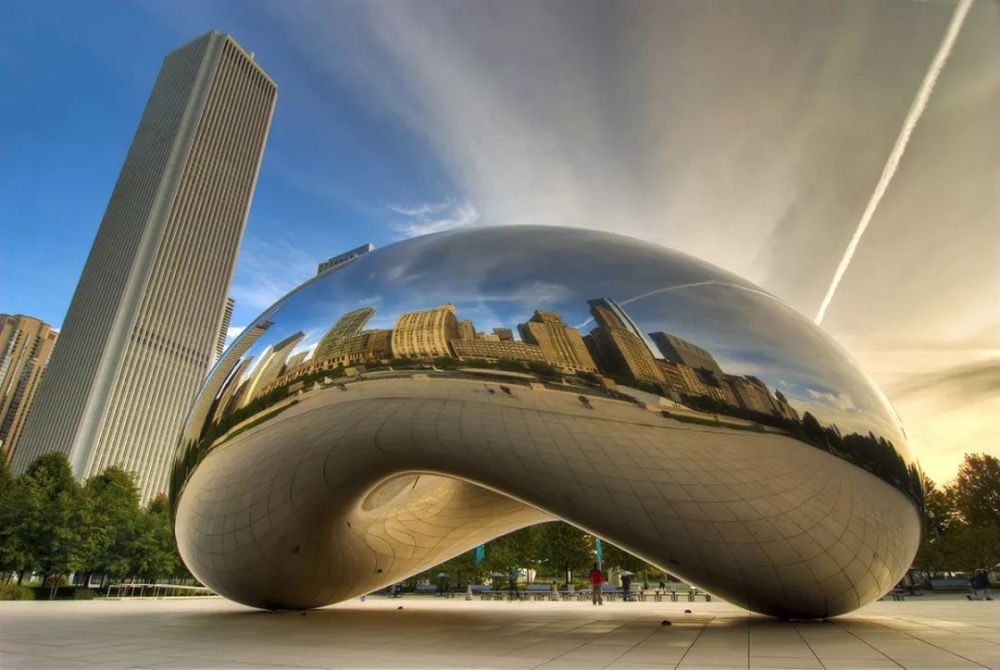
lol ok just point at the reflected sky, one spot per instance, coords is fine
(497, 277)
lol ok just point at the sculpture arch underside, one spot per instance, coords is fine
(350, 489)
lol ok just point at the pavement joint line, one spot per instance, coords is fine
(809, 646)
(555, 658)
(873, 647)
(694, 642)
(945, 628)
(634, 646)
(749, 623)
(947, 651)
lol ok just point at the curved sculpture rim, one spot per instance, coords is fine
(427, 397)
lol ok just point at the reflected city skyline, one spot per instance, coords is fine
(619, 350)
(688, 417)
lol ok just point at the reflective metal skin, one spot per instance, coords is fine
(430, 396)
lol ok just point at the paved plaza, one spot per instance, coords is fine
(924, 632)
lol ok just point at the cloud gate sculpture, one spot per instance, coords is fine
(422, 399)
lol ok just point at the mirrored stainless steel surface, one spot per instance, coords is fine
(434, 394)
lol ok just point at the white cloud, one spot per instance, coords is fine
(437, 217)
(841, 401)
(268, 269)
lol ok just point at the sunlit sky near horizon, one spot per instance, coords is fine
(749, 134)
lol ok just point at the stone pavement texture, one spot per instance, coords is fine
(927, 633)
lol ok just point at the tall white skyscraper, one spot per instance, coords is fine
(141, 330)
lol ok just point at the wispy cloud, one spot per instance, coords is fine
(268, 269)
(434, 217)
(962, 384)
(840, 401)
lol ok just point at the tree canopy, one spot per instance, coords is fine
(51, 525)
(961, 529)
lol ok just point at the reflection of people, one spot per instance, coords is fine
(627, 586)
(596, 584)
(981, 587)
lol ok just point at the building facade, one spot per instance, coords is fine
(368, 346)
(344, 258)
(425, 333)
(752, 394)
(143, 325)
(332, 343)
(25, 346)
(466, 330)
(561, 345)
(619, 351)
(227, 381)
(495, 350)
(678, 350)
(271, 366)
(227, 316)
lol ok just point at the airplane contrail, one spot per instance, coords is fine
(889, 171)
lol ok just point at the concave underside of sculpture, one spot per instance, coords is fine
(427, 397)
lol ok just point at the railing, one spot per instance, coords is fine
(156, 591)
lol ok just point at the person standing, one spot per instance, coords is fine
(627, 586)
(981, 586)
(596, 585)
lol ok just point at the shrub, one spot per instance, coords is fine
(83, 593)
(16, 592)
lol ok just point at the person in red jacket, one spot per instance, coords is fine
(596, 585)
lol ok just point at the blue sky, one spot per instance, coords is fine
(332, 176)
(749, 134)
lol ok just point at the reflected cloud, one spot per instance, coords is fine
(469, 349)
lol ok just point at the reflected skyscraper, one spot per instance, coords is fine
(344, 258)
(344, 328)
(270, 367)
(227, 315)
(142, 328)
(230, 368)
(561, 345)
(425, 333)
(678, 350)
(617, 343)
(610, 314)
(466, 330)
(368, 346)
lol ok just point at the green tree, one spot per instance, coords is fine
(972, 547)
(513, 552)
(114, 523)
(564, 549)
(54, 509)
(962, 520)
(977, 490)
(153, 553)
(13, 553)
(935, 554)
